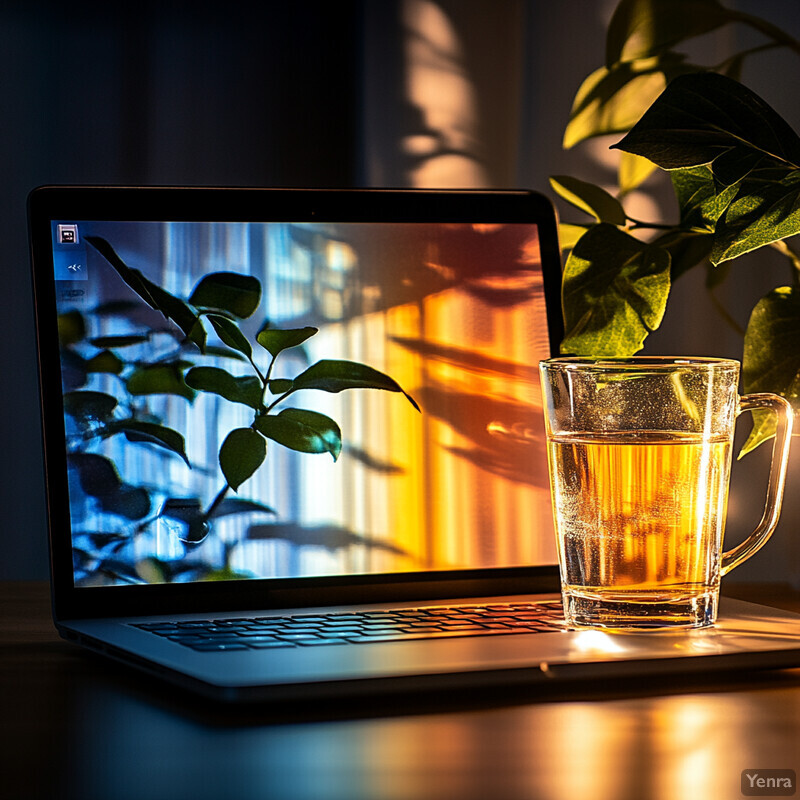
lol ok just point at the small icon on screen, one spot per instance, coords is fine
(67, 234)
(70, 264)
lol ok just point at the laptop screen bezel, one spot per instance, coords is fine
(216, 204)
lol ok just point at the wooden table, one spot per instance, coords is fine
(75, 725)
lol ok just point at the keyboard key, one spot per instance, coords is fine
(368, 626)
(255, 645)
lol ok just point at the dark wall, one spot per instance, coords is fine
(152, 93)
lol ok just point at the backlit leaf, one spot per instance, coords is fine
(591, 199)
(568, 234)
(302, 430)
(237, 294)
(246, 389)
(644, 28)
(701, 201)
(230, 334)
(632, 172)
(336, 376)
(771, 360)
(614, 293)
(151, 433)
(611, 100)
(702, 116)
(275, 340)
(241, 454)
(762, 213)
(239, 505)
(160, 379)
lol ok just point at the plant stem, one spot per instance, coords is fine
(752, 51)
(724, 313)
(655, 226)
(275, 402)
(767, 28)
(784, 249)
(216, 501)
(258, 371)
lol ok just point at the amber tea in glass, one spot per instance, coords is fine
(640, 456)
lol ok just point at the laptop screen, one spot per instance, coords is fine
(300, 398)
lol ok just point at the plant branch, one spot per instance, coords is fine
(725, 314)
(752, 51)
(785, 250)
(216, 501)
(655, 226)
(278, 400)
(767, 29)
(258, 371)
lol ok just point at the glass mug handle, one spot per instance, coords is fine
(777, 476)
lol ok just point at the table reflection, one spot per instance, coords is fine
(637, 748)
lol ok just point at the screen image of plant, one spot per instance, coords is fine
(734, 165)
(217, 305)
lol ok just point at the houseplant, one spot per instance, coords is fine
(734, 167)
(110, 379)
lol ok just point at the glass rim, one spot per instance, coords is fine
(638, 362)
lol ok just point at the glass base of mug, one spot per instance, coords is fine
(639, 611)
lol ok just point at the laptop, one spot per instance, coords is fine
(294, 448)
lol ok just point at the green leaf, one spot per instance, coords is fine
(71, 328)
(632, 172)
(761, 214)
(241, 454)
(275, 340)
(280, 385)
(230, 334)
(700, 200)
(644, 28)
(593, 200)
(131, 502)
(151, 433)
(160, 379)
(236, 294)
(302, 430)
(246, 390)
(771, 360)
(336, 376)
(222, 352)
(569, 234)
(97, 474)
(238, 505)
(119, 341)
(614, 293)
(105, 362)
(89, 406)
(686, 249)
(702, 116)
(612, 100)
(157, 298)
(189, 512)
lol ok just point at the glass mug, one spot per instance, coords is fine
(639, 451)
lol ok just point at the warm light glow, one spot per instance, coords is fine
(453, 313)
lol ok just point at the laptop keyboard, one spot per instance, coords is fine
(364, 627)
